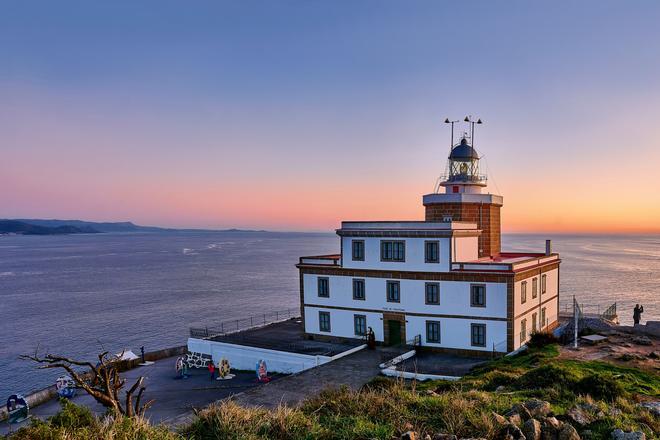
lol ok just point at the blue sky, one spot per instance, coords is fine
(181, 112)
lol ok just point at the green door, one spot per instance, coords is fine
(394, 332)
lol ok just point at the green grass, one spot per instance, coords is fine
(387, 408)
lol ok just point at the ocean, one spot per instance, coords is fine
(77, 295)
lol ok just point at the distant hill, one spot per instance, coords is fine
(20, 227)
(115, 226)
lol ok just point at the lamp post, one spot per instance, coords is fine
(469, 120)
(451, 143)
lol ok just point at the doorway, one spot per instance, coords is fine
(394, 332)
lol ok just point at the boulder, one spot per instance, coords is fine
(550, 427)
(510, 432)
(654, 355)
(500, 420)
(618, 434)
(515, 419)
(519, 409)
(567, 432)
(537, 408)
(532, 429)
(584, 414)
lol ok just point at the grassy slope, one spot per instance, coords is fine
(387, 407)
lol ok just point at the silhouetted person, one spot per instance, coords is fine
(637, 313)
(371, 338)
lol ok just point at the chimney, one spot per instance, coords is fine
(548, 247)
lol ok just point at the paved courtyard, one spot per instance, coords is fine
(173, 397)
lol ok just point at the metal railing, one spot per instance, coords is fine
(610, 313)
(237, 325)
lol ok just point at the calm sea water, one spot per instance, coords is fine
(79, 294)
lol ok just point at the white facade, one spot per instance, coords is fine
(456, 271)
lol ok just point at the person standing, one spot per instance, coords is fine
(212, 369)
(637, 313)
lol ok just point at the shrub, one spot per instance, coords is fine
(72, 416)
(601, 386)
(547, 376)
(541, 339)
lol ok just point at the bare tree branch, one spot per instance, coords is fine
(103, 381)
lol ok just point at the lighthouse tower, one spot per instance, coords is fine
(460, 197)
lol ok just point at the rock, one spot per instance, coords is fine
(618, 434)
(653, 407)
(579, 416)
(654, 355)
(520, 410)
(537, 408)
(515, 419)
(642, 340)
(410, 435)
(552, 421)
(500, 388)
(584, 413)
(500, 420)
(431, 393)
(532, 429)
(550, 427)
(427, 437)
(510, 432)
(567, 432)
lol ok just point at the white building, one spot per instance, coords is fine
(442, 281)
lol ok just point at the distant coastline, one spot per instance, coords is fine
(59, 227)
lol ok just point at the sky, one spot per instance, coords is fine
(295, 115)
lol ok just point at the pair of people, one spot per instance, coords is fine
(637, 313)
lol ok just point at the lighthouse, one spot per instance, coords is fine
(459, 196)
(442, 283)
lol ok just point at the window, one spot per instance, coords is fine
(393, 291)
(432, 293)
(431, 251)
(324, 321)
(358, 250)
(543, 284)
(478, 335)
(534, 287)
(324, 287)
(392, 250)
(478, 295)
(523, 330)
(433, 331)
(542, 318)
(534, 317)
(523, 292)
(360, 325)
(358, 289)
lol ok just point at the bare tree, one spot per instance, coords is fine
(102, 382)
